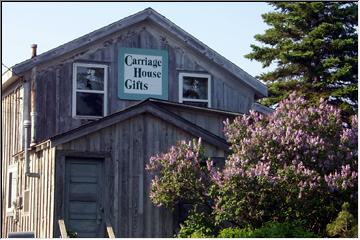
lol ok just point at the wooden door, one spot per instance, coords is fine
(84, 200)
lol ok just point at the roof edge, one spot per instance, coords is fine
(162, 21)
(211, 54)
(8, 78)
(145, 106)
(205, 109)
(262, 108)
(81, 41)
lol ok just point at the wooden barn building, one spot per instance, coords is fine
(80, 122)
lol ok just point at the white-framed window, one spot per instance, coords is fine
(12, 188)
(195, 89)
(89, 90)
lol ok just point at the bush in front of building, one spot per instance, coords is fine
(297, 164)
(179, 175)
(344, 226)
(269, 230)
(197, 225)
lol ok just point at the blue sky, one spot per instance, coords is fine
(227, 28)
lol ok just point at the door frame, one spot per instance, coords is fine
(59, 198)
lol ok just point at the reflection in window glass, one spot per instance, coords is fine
(195, 87)
(90, 78)
(10, 193)
(89, 104)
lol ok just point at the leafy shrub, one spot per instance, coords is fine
(344, 225)
(281, 230)
(296, 164)
(269, 230)
(236, 233)
(179, 175)
(198, 225)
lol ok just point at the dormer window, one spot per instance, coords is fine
(89, 90)
(195, 89)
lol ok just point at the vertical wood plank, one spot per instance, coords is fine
(116, 159)
(45, 190)
(57, 99)
(41, 192)
(132, 218)
(157, 149)
(52, 190)
(33, 193)
(125, 180)
(37, 198)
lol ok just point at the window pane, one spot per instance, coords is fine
(195, 88)
(89, 104)
(198, 104)
(89, 78)
(10, 190)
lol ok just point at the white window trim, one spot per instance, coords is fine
(105, 92)
(12, 169)
(200, 75)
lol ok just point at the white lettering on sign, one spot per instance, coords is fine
(143, 74)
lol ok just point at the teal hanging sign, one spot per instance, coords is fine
(143, 73)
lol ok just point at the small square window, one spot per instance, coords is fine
(89, 90)
(195, 89)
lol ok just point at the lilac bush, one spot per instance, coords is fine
(299, 163)
(294, 133)
(178, 175)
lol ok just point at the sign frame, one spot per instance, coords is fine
(121, 73)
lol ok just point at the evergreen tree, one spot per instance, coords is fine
(313, 46)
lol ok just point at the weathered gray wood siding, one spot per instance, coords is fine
(211, 121)
(54, 78)
(11, 122)
(11, 133)
(39, 217)
(130, 144)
